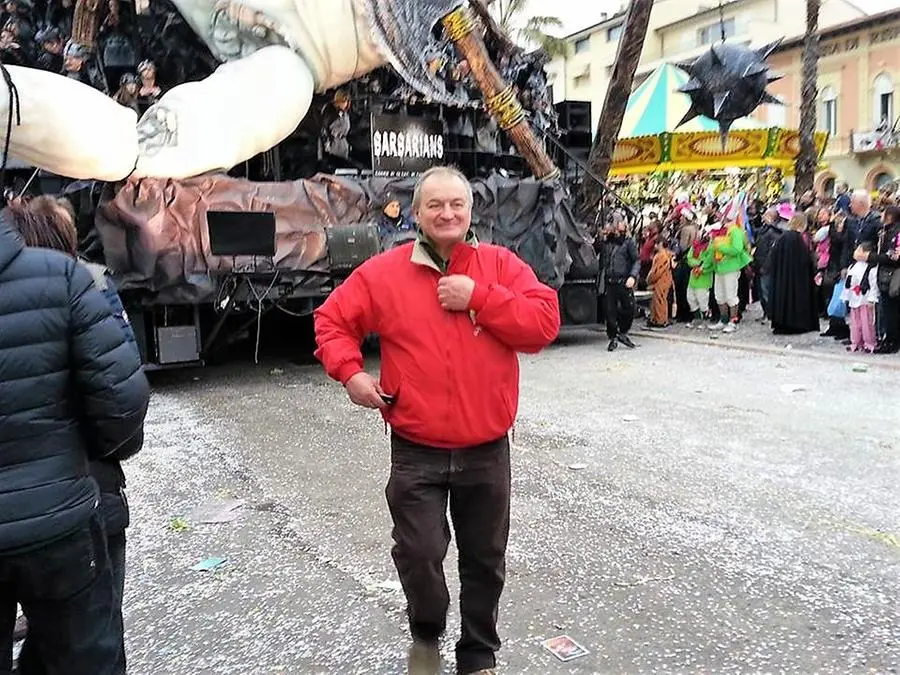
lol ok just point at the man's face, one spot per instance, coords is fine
(392, 209)
(73, 63)
(444, 212)
(859, 207)
(621, 228)
(54, 46)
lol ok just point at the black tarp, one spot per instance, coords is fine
(154, 237)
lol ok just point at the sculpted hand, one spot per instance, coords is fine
(455, 292)
(365, 391)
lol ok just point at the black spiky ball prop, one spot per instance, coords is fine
(728, 82)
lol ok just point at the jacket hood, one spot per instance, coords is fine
(11, 243)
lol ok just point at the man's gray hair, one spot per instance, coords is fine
(862, 196)
(446, 172)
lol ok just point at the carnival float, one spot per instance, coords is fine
(227, 159)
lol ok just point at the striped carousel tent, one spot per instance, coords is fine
(651, 140)
(656, 107)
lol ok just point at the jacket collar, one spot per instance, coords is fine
(424, 253)
(11, 243)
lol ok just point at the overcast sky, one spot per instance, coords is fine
(578, 14)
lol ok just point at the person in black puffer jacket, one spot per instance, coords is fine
(620, 265)
(52, 225)
(863, 225)
(71, 390)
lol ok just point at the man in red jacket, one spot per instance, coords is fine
(451, 313)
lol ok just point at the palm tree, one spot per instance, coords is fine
(628, 56)
(807, 160)
(535, 32)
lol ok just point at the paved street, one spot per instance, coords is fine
(678, 508)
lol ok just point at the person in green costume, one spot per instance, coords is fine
(700, 261)
(731, 254)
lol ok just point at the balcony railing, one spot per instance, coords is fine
(882, 139)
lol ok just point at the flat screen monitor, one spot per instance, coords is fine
(241, 233)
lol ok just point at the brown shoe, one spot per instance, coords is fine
(424, 658)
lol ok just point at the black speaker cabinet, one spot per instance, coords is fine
(349, 246)
(575, 116)
(578, 303)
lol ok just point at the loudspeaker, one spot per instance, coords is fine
(576, 133)
(578, 303)
(349, 246)
(575, 117)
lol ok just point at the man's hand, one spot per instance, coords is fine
(455, 292)
(629, 283)
(365, 391)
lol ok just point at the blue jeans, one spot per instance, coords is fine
(67, 591)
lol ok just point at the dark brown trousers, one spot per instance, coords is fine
(475, 482)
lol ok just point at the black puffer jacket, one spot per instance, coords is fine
(71, 389)
(888, 241)
(620, 259)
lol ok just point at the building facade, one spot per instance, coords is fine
(681, 30)
(859, 98)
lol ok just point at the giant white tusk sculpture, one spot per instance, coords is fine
(276, 54)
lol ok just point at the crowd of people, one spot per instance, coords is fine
(704, 260)
(42, 38)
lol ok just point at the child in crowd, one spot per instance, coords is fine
(661, 281)
(861, 294)
(700, 260)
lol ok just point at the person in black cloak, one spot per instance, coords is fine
(794, 305)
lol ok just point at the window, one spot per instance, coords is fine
(614, 33)
(713, 32)
(583, 45)
(884, 100)
(828, 121)
(828, 187)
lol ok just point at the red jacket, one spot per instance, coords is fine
(455, 375)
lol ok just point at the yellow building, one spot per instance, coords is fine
(681, 30)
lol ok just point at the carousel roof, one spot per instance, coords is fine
(656, 107)
(651, 140)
